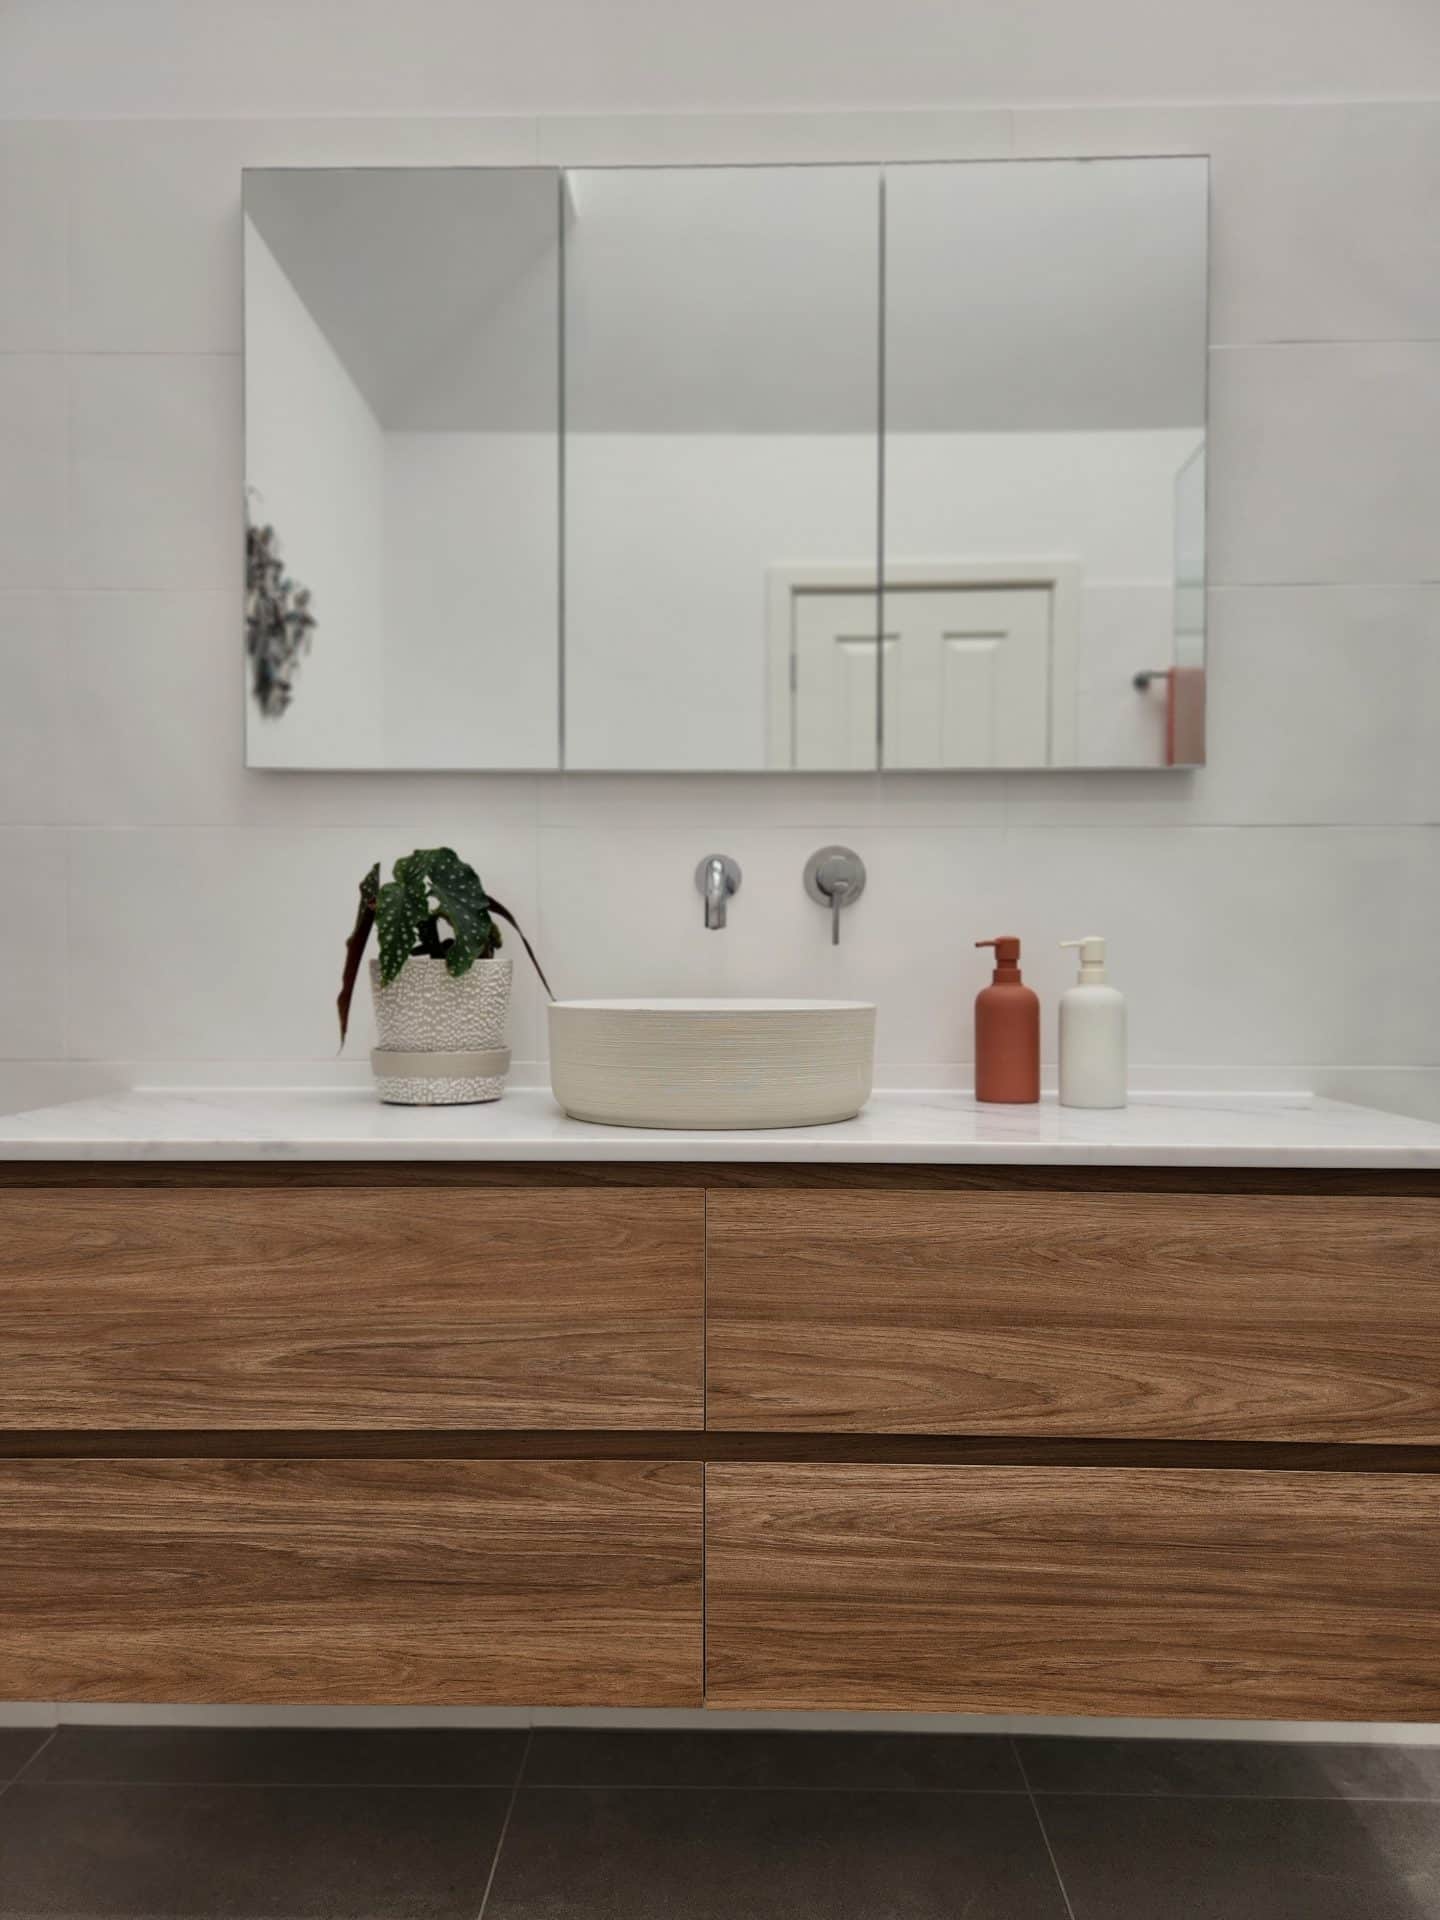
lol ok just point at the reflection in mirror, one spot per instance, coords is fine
(401, 457)
(721, 453)
(1045, 350)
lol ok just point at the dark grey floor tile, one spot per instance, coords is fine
(577, 1756)
(1190, 1859)
(281, 1756)
(247, 1853)
(594, 1853)
(18, 1745)
(1249, 1768)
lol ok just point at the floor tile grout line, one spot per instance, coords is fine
(14, 1778)
(1244, 1799)
(5, 1785)
(505, 1824)
(707, 1786)
(1039, 1821)
(280, 1785)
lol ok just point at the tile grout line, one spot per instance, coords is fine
(686, 1786)
(505, 1823)
(15, 1778)
(1039, 1821)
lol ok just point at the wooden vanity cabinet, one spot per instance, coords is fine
(795, 1437)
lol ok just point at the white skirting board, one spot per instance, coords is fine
(1358, 1732)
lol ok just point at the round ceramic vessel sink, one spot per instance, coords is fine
(712, 1063)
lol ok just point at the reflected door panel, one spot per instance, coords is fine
(968, 679)
(834, 710)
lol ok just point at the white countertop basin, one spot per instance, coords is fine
(710, 1064)
(943, 1128)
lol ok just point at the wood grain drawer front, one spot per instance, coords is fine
(1104, 1315)
(1074, 1590)
(342, 1581)
(313, 1307)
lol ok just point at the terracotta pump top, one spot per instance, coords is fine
(1007, 955)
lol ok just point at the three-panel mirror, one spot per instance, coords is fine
(801, 468)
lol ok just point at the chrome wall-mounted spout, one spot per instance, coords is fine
(716, 878)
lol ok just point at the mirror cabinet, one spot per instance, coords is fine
(799, 468)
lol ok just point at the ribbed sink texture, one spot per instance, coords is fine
(712, 1063)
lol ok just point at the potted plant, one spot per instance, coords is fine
(442, 1001)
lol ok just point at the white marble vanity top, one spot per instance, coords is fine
(1156, 1130)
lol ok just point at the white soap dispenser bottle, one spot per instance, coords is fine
(1092, 1034)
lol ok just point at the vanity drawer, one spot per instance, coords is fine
(1074, 1590)
(351, 1581)
(1285, 1316)
(332, 1307)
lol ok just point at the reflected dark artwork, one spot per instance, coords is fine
(278, 622)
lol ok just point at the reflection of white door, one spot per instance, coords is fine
(980, 665)
(832, 679)
(967, 677)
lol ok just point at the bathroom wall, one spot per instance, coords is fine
(1276, 916)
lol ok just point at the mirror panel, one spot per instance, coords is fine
(721, 467)
(1045, 357)
(655, 543)
(402, 450)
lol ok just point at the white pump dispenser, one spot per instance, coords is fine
(1092, 1034)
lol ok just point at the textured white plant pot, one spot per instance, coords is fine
(443, 1041)
(712, 1063)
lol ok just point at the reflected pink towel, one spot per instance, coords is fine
(1185, 717)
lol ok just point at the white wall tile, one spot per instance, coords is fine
(155, 212)
(32, 711)
(1323, 464)
(1323, 222)
(32, 237)
(1245, 946)
(32, 469)
(153, 657)
(227, 945)
(1323, 704)
(671, 800)
(717, 139)
(1326, 224)
(574, 56)
(32, 944)
(156, 476)
(1167, 797)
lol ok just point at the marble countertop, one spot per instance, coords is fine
(291, 1124)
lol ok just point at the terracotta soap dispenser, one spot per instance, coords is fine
(1007, 1031)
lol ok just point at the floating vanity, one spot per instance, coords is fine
(307, 1399)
